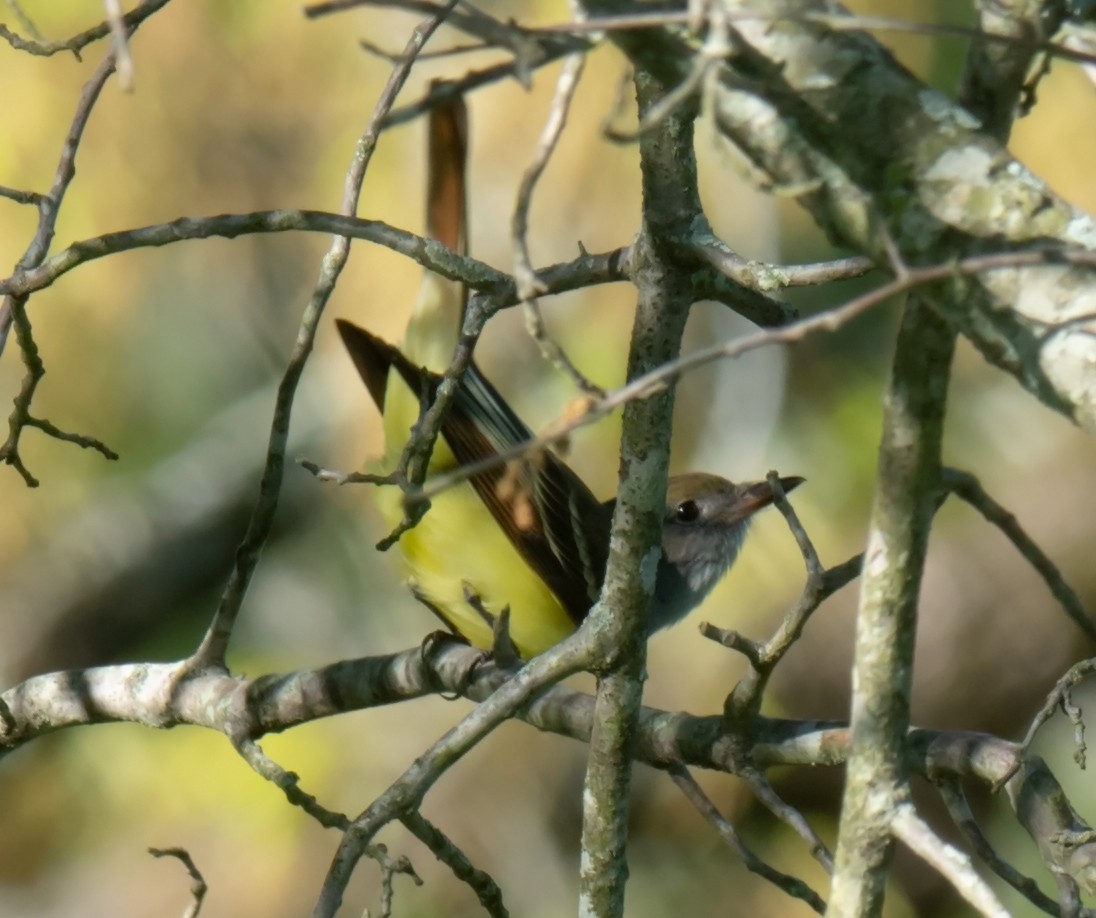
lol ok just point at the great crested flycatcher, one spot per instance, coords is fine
(529, 535)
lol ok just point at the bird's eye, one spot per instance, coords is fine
(688, 511)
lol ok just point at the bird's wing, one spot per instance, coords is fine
(547, 511)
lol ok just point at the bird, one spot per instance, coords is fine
(529, 534)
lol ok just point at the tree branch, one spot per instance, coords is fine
(670, 201)
(865, 145)
(214, 645)
(903, 506)
(164, 695)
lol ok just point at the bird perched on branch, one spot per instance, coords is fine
(527, 534)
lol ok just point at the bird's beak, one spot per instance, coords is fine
(758, 495)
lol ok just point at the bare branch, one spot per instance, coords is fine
(117, 24)
(198, 888)
(955, 799)
(429, 254)
(12, 309)
(783, 90)
(1029, 43)
(286, 781)
(498, 288)
(214, 645)
(657, 380)
(1059, 697)
(390, 58)
(528, 284)
(476, 79)
(21, 197)
(403, 796)
(743, 705)
(167, 694)
(481, 883)
(671, 199)
(790, 816)
(793, 886)
(758, 276)
(916, 834)
(528, 49)
(77, 43)
(967, 487)
(902, 510)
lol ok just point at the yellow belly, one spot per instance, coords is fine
(457, 547)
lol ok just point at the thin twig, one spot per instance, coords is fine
(159, 695)
(1059, 697)
(528, 284)
(288, 783)
(838, 22)
(443, 848)
(829, 320)
(214, 645)
(953, 864)
(571, 655)
(198, 887)
(793, 886)
(49, 204)
(340, 477)
(702, 70)
(28, 24)
(955, 799)
(529, 49)
(673, 100)
(743, 704)
(21, 197)
(77, 43)
(390, 869)
(391, 58)
(969, 488)
(82, 440)
(116, 21)
(476, 79)
(806, 546)
(526, 48)
(13, 307)
(789, 815)
(760, 276)
(586, 270)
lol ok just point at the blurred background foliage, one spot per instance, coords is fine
(171, 357)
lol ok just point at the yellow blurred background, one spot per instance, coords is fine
(171, 357)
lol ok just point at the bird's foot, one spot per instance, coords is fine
(504, 651)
